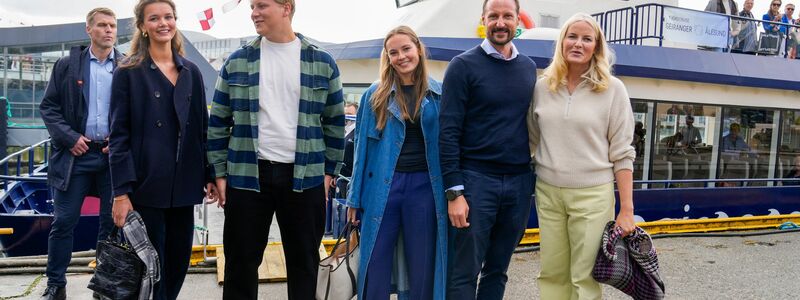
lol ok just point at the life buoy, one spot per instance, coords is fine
(526, 19)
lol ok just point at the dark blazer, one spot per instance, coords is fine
(157, 146)
(64, 111)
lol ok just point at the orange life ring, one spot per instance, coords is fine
(526, 19)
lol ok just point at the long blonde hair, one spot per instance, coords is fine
(390, 78)
(599, 73)
(140, 45)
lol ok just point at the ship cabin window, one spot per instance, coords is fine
(676, 143)
(749, 142)
(684, 142)
(788, 164)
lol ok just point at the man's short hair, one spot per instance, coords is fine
(290, 2)
(353, 104)
(689, 118)
(483, 11)
(99, 10)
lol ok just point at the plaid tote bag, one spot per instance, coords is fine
(629, 264)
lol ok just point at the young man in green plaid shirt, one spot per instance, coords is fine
(276, 142)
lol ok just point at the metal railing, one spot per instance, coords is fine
(641, 23)
(17, 159)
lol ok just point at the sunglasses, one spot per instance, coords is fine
(776, 4)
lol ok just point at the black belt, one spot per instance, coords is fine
(97, 146)
(273, 163)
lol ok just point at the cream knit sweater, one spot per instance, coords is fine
(581, 140)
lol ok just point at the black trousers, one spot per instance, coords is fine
(248, 215)
(170, 232)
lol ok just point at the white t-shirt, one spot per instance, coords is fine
(278, 100)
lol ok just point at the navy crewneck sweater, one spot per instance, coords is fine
(484, 105)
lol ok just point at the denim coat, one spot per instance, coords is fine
(376, 154)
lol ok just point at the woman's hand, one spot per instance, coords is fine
(119, 211)
(351, 215)
(626, 222)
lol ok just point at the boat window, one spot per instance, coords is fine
(642, 115)
(352, 93)
(788, 164)
(684, 144)
(748, 145)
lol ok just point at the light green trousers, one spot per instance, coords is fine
(571, 223)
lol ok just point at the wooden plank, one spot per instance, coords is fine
(220, 265)
(273, 265)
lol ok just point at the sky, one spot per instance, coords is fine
(325, 20)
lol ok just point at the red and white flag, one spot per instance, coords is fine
(231, 5)
(206, 19)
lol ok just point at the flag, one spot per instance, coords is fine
(206, 19)
(231, 5)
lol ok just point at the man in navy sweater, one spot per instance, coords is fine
(485, 156)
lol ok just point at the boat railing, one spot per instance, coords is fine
(17, 159)
(644, 25)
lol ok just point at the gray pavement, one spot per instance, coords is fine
(758, 267)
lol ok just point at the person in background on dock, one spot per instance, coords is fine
(75, 109)
(581, 127)
(485, 156)
(276, 142)
(399, 188)
(157, 144)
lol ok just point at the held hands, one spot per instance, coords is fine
(80, 146)
(211, 193)
(458, 211)
(216, 192)
(625, 222)
(119, 211)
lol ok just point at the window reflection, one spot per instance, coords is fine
(749, 138)
(788, 164)
(684, 142)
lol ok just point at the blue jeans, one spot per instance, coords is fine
(410, 208)
(89, 169)
(499, 207)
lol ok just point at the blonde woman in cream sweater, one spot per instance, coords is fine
(581, 127)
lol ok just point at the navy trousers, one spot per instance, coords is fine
(89, 169)
(499, 207)
(170, 232)
(409, 208)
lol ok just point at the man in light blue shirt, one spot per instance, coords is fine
(75, 110)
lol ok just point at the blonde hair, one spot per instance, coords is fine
(290, 2)
(599, 73)
(389, 78)
(99, 10)
(140, 45)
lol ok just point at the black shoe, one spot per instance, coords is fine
(55, 293)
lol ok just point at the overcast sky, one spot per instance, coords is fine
(326, 20)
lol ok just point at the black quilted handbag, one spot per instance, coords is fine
(119, 270)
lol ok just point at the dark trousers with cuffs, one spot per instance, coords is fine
(499, 207)
(89, 169)
(248, 216)
(170, 230)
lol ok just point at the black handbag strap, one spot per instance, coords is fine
(346, 233)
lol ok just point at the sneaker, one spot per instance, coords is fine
(54, 293)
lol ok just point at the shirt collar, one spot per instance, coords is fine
(92, 57)
(493, 52)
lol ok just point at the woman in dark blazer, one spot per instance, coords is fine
(158, 133)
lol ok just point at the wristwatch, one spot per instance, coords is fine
(453, 194)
